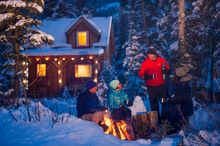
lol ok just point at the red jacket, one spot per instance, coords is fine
(154, 68)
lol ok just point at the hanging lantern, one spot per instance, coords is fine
(72, 58)
(47, 58)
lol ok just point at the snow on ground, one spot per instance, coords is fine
(50, 129)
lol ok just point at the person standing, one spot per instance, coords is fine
(179, 107)
(154, 70)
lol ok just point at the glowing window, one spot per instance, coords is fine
(82, 38)
(83, 71)
(41, 70)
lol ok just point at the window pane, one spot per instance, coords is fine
(82, 39)
(83, 71)
(41, 70)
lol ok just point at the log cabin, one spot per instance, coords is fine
(80, 47)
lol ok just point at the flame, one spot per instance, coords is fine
(118, 129)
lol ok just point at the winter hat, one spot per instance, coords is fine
(90, 85)
(114, 84)
(152, 50)
(181, 71)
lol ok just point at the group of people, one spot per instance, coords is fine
(89, 108)
(154, 71)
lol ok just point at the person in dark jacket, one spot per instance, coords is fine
(88, 106)
(153, 70)
(179, 107)
(182, 92)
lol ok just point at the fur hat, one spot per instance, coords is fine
(182, 73)
(152, 50)
(114, 83)
(90, 85)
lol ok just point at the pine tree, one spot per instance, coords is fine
(133, 59)
(17, 18)
(60, 8)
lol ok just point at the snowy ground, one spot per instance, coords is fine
(51, 129)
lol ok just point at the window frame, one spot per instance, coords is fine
(91, 68)
(87, 39)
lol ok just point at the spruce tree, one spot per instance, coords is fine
(17, 21)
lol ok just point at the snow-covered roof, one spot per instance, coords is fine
(58, 27)
(63, 51)
(86, 19)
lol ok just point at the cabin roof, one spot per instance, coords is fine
(58, 28)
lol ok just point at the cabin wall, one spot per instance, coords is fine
(49, 86)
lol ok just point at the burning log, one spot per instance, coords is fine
(122, 129)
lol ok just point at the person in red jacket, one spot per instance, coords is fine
(153, 70)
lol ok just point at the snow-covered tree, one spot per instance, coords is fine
(132, 63)
(60, 9)
(17, 18)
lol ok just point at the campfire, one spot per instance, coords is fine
(121, 129)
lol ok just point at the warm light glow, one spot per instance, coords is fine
(25, 71)
(47, 58)
(72, 58)
(23, 63)
(59, 62)
(83, 71)
(55, 59)
(25, 81)
(96, 61)
(96, 71)
(81, 58)
(82, 38)
(41, 70)
(95, 80)
(37, 59)
(90, 57)
(60, 81)
(59, 71)
(64, 59)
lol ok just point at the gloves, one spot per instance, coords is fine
(149, 77)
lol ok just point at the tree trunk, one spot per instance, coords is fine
(16, 76)
(145, 24)
(182, 41)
